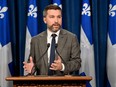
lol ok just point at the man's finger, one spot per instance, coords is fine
(24, 63)
(31, 59)
(53, 65)
(59, 58)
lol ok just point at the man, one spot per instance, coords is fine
(67, 50)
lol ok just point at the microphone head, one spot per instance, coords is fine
(48, 45)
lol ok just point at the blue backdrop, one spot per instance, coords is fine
(71, 21)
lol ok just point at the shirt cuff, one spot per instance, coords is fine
(63, 67)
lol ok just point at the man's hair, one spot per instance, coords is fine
(51, 7)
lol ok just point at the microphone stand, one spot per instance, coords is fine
(59, 54)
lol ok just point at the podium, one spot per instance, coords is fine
(49, 81)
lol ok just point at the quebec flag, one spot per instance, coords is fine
(32, 26)
(5, 45)
(57, 2)
(111, 46)
(86, 42)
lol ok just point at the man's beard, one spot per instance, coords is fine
(52, 27)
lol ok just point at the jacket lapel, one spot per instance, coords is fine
(61, 40)
(44, 48)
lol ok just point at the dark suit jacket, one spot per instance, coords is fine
(68, 48)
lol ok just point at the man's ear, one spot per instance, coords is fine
(44, 19)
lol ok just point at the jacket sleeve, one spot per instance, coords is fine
(74, 63)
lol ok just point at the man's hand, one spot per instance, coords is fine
(28, 66)
(57, 65)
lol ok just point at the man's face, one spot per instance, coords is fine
(53, 20)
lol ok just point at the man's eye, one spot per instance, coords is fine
(59, 17)
(51, 16)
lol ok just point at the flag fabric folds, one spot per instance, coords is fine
(86, 42)
(111, 46)
(5, 45)
(32, 26)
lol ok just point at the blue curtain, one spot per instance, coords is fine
(13, 35)
(100, 20)
(72, 15)
(71, 21)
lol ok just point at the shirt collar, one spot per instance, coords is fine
(49, 33)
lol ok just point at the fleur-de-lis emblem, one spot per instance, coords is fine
(32, 11)
(112, 10)
(2, 11)
(58, 5)
(86, 9)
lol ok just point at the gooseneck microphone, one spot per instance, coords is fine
(56, 45)
(34, 68)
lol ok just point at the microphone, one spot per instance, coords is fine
(56, 45)
(33, 70)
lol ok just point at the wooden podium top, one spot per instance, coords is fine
(49, 81)
(67, 77)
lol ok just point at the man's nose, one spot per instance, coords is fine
(56, 19)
